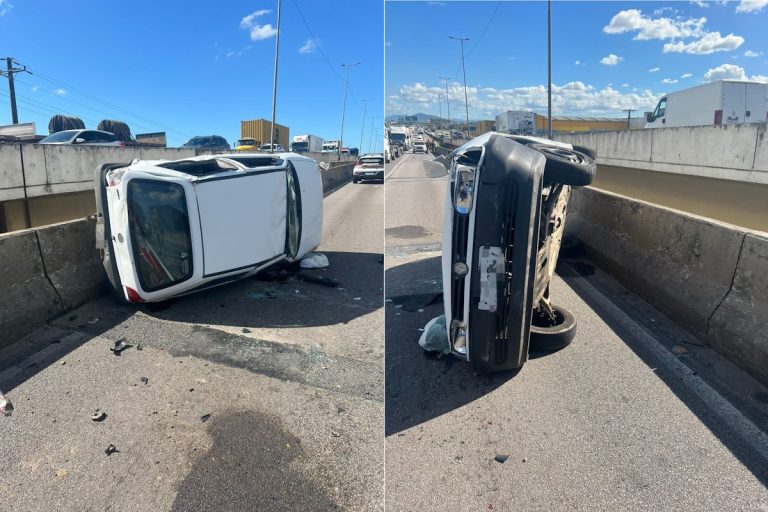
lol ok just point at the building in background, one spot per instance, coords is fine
(530, 123)
(260, 129)
(484, 126)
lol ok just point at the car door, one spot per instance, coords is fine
(242, 219)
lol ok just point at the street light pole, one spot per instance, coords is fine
(274, 84)
(629, 116)
(344, 104)
(549, 67)
(365, 109)
(463, 67)
(447, 99)
(370, 140)
(440, 106)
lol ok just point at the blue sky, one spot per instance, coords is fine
(195, 68)
(607, 56)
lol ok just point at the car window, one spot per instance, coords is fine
(660, 108)
(159, 230)
(371, 161)
(89, 136)
(64, 136)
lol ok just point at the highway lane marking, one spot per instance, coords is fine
(396, 167)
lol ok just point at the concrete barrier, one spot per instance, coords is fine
(709, 276)
(27, 298)
(336, 176)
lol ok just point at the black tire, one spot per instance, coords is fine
(569, 167)
(591, 153)
(355, 180)
(547, 337)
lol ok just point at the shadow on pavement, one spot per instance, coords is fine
(577, 273)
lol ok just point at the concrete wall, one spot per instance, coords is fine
(709, 276)
(730, 152)
(44, 272)
(336, 176)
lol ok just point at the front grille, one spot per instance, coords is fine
(459, 253)
(507, 242)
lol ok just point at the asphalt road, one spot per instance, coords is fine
(259, 395)
(634, 415)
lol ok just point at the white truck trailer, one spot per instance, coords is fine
(307, 143)
(330, 146)
(715, 103)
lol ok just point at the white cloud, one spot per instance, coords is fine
(611, 60)
(633, 20)
(573, 98)
(653, 70)
(35, 88)
(709, 43)
(700, 3)
(309, 47)
(686, 75)
(261, 32)
(625, 85)
(5, 7)
(669, 81)
(59, 92)
(247, 21)
(731, 72)
(751, 5)
(750, 53)
(577, 63)
(229, 54)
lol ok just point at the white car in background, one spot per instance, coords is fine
(82, 138)
(369, 167)
(419, 146)
(169, 228)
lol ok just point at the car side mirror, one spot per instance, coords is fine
(648, 117)
(436, 168)
(79, 140)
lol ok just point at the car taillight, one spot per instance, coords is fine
(133, 295)
(718, 117)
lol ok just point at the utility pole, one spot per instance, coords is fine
(466, 102)
(365, 109)
(447, 99)
(370, 140)
(344, 104)
(10, 71)
(440, 106)
(629, 115)
(549, 68)
(274, 84)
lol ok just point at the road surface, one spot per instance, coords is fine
(252, 396)
(633, 415)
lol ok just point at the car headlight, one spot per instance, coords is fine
(464, 188)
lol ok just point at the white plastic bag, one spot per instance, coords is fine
(435, 336)
(314, 260)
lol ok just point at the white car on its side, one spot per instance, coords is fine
(168, 228)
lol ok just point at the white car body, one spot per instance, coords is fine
(369, 167)
(419, 147)
(239, 220)
(267, 148)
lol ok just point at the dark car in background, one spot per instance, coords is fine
(209, 142)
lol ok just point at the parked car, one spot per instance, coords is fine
(267, 148)
(209, 142)
(504, 221)
(169, 228)
(369, 167)
(419, 146)
(82, 137)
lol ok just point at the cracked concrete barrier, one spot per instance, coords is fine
(709, 276)
(27, 298)
(739, 327)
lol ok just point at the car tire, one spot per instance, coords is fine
(591, 153)
(355, 180)
(569, 167)
(548, 338)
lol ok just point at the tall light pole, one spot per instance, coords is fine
(274, 83)
(549, 68)
(447, 99)
(365, 109)
(344, 104)
(370, 140)
(466, 102)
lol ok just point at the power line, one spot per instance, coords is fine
(490, 20)
(39, 104)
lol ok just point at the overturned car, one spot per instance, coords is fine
(169, 228)
(504, 218)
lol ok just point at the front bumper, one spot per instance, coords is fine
(492, 304)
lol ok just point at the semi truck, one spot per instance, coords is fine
(716, 103)
(307, 143)
(330, 146)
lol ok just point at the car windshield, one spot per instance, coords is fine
(160, 235)
(246, 142)
(198, 141)
(302, 144)
(64, 136)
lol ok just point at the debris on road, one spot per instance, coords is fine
(139, 347)
(98, 415)
(500, 458)
(111, 449)
(314, 260)
(145, 380)
(6, 407)
(309, 278)
(435, 336)
(120, 345)
(205, 417)
(414, 303)
(93, 320)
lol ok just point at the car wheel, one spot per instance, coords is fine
(569, 167)
(591, 153)
(355, 180)
(548, 335)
